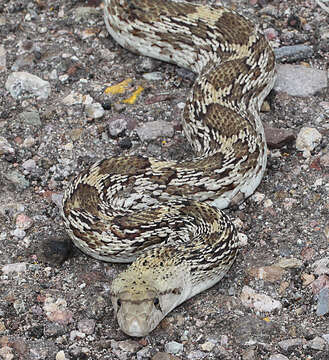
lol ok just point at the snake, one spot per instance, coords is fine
(166, 216)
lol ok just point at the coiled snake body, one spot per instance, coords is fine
(166, 214)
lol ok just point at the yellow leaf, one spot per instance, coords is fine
(131, 100)
(119, 88)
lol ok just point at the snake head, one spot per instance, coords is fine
(137, 313)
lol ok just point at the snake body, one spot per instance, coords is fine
(165, 215)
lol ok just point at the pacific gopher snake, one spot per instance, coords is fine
(133, 207)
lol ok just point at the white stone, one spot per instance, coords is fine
(29, 165)
(95, 110)
(174, 347)
(15, 267)
(317, 343)
(6, 353)
(307, 139)
(53, 75)
(2, 58)
(19, 233)
(5, 147)
(259, 302)
(73, 98)
(60, 355)
(289, 263)
(268, 203)
(326, 337)
(257, 197)
(21, 81)
(291, 343)
(153, 76)
(321, 266)
(278, 357)
(154, 129)
(63, 78)
(243, 239)
(297, 80)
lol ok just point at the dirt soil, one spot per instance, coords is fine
(54, 300)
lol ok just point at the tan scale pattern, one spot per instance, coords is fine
(165, 215)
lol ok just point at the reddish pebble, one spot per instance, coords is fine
(23, 222)
(321, 282)
(270, 34)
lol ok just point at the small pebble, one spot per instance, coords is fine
(117, 127)
(155, 129)
(174, 347)
(125, 143)
(207, 346)
(324, 160)
(6, 353)
(257, 197)
(76, 335)
(317, 343)
(87, 326)
(60, 355)
(293, 53)
(163, 356)
(278, 357)
(196, 355)
(243, 239)
(268, 203)
(21, 81)
(55, 250)
(3, 52)
(323, 302)
(85, 12)
(291, 343)
(289, 263)
(5, 147)
(15, 267)
(19, 233)
(307, 139)
(298, 80)
(153, 76)
(268, 273)
(277, 138)
(270, 34)
(73, 98)
(129, 346)
(95, 110)
(29, 165)
(30, 118)
(260, 302)
(321, 266)
(326, 337)
(23, 222)
(270, 10)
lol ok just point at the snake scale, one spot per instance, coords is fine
(165, 215)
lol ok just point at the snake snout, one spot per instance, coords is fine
(135, 327)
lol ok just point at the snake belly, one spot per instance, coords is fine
(165, 215)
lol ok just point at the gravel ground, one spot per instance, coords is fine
(273, 304)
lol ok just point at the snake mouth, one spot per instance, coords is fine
(137, 325)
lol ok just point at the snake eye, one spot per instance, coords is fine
(156, 303)
(119, 303)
